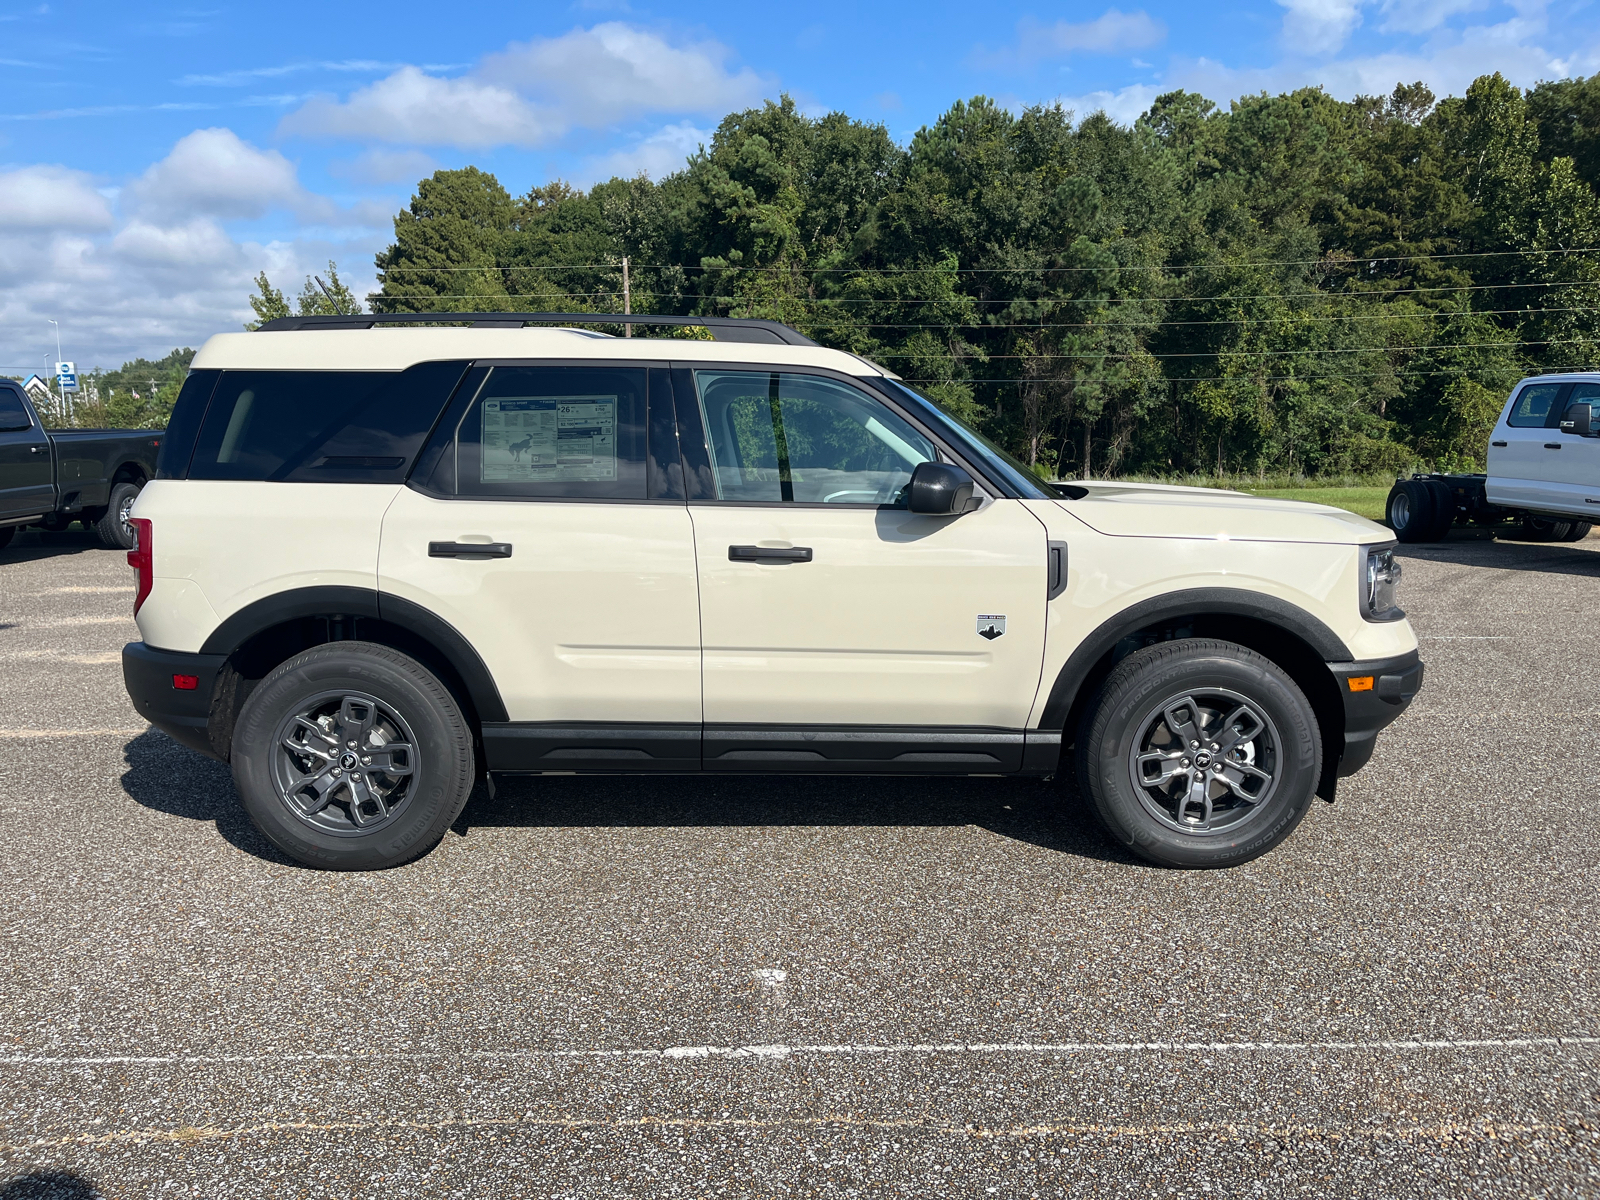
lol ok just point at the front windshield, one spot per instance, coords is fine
(1009, 468)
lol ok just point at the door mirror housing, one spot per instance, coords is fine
(1578, 419)
(939, 490)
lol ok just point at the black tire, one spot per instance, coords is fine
(1579, 531)
(6, 534)
(1150, 685)
(1444, 509)
(1411, 511)
(405, 706)
(1543, 529)
(113, 528)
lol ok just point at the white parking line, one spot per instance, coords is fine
(669, 1053)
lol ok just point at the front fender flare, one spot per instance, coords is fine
(1195, 602)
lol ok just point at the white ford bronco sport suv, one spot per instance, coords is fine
(385, 555)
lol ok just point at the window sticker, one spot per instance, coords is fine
(543, 439)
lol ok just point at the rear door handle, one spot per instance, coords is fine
(1501, 444)
(785, 554)
(469, 549)
(1552, 445)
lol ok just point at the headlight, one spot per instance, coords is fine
(1380, 580)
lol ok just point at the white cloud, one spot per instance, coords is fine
(386, 166)
(1111, 32)
(1448, 63)
(411, 107)
(168, 271)
(533, 93)
(1319, 26)
(1421, 16)
(216, 173)
(44, 197)
(197, 243)
(1125, 105)
(658, 155)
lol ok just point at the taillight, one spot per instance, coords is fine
(141, 559)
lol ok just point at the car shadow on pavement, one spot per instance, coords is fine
(1039, 812)
(173, 779)
(1549, 557)
(48, 1185)
(37, 544)
(170, 778)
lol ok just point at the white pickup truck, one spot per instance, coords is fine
(1543, 470)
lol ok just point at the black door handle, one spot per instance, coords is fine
(785, 554)
(469, 549)
(1552, 445)
(1498, 443)
(35, 449)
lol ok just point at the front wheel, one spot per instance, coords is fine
(1544, 529)
(352, 757)
(1199, 753)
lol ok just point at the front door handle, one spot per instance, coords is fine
(1501, 444)
(784, 554)
(469, 549)
(35, 449)
(1552, 445)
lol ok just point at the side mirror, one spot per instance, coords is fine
(939, 490)
(1578, 419)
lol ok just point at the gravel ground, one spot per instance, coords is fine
(784, 987)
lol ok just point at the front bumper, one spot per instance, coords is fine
(1395, 683)
(184, 714)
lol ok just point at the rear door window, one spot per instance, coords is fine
(321, 426)
(556, 432)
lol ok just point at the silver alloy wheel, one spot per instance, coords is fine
(345, 763)
(1205, 761)
(123, 510)
(1400, 510)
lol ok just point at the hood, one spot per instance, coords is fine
(1162, 510)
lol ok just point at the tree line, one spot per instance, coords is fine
(1292, 285)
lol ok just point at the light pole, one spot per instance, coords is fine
(59, 386)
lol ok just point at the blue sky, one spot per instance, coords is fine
(154, 158)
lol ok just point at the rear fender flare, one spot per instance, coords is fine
(422, 623)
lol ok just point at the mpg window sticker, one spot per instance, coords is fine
(549, 439)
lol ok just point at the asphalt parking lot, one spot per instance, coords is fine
(841, 987)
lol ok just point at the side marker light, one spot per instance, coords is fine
(1360, 683)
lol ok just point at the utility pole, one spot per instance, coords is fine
(627, 298)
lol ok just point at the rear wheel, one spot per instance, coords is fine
(113, 528)
(1199, 753)
(1412, 511)
(1544, 529)
(1579, 531)
(352, 757)
(1444, 509)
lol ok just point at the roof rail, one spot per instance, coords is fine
(722, 329)
(1565, 371)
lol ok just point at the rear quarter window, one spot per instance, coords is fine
(321, 426)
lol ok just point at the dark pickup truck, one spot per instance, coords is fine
(51, 478)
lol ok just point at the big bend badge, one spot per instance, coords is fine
(991, 626)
